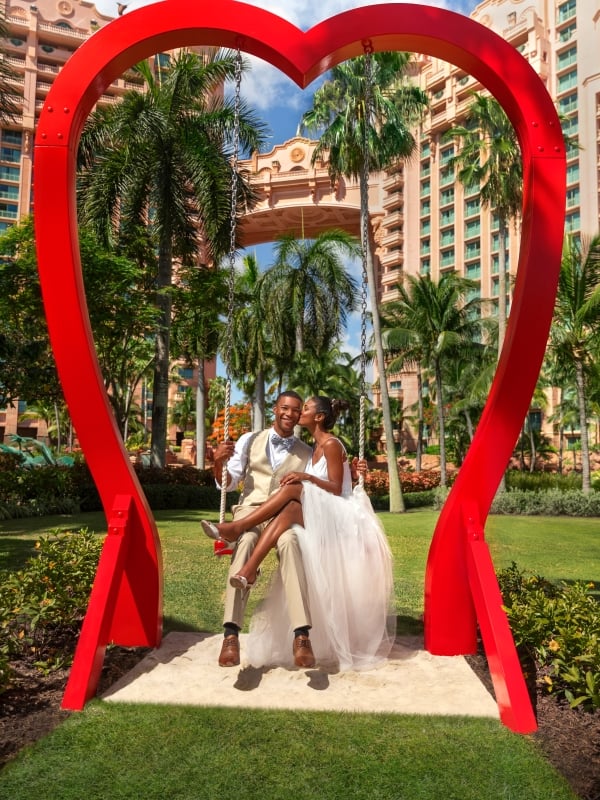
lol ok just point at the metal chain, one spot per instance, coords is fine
(364, 206)
(231, 282)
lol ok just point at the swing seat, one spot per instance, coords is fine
(222, 549)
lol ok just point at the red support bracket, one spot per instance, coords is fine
(512, 696)
(89, 655)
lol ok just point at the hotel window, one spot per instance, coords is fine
(567, 81)
(425, 247)
(425, 266)
(472, 228)
(573, 197)
(425, 227)
(8, 211)
(425, 188)
(473, 271)
(446, 176)
(10, 173)
(568, 104)
(446, 197)
(447, 216)
(425, 208)
(8, 192)
(472, 250)
(573, 172)
(567, 58)
(472, 207)
(12, 137)
(446, 155)
(425, 149)
(570, 126)
(473, 293)
(572, 222)
(447, 259)
(567, 32)
(10, 154)
(567, 10)
(447, 237)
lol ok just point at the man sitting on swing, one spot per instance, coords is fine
(259, 461)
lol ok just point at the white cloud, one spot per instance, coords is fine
(264, 87)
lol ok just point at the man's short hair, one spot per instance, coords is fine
(288, 393)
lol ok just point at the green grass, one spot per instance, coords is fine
(133, 752)
(196, 753)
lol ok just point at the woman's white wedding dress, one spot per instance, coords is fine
(348, 568)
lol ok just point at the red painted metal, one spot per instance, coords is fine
(454, 573)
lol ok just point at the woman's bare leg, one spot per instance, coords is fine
(231, 531)
(291, 514)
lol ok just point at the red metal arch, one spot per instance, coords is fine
(460, 584)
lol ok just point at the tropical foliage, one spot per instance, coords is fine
(162, 158)
(364, 115)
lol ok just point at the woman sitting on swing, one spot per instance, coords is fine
(346, 557)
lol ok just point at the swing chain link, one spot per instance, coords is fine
(364, 204)
(231, 281)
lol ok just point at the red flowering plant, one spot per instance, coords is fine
(239, 422)
(377, 482)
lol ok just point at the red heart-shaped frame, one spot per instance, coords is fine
(126, 601)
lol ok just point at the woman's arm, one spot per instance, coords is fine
(334, 453)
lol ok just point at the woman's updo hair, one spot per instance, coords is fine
(329, 408)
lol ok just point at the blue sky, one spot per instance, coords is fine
(280, 102)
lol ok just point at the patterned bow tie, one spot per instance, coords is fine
(280, 441)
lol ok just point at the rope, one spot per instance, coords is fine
(231, 283)
(364, 207)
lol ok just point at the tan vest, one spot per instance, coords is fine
(260, 480)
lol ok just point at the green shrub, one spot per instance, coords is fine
(47, 599)
(559, 625)
(549, 503)
(537, 481)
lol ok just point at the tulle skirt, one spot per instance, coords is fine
(348, 568)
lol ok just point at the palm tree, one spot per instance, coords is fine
(9, 96)
(438, 324)
(161, 157)
(198, 299)
(251, 362)
(575, 332)
(490, 160)
(183, 412)
(309, 293)
(365, 125)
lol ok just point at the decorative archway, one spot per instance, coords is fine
(460, 584)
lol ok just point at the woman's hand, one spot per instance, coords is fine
(358, 467)
(293, 477)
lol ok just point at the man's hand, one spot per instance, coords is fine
(224, 451)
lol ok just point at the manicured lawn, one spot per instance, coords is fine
(117, 751)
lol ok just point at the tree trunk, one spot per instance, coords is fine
(441, 424)
(160, 388)
(585, 447)
(502, 282)
(532, 448)
(396, 498)
(200, 417)
(420, 423)
(258, 403)
(502, 294)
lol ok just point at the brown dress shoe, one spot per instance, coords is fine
(230, 652)
(303, 653)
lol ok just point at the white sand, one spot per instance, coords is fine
(184, 671)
